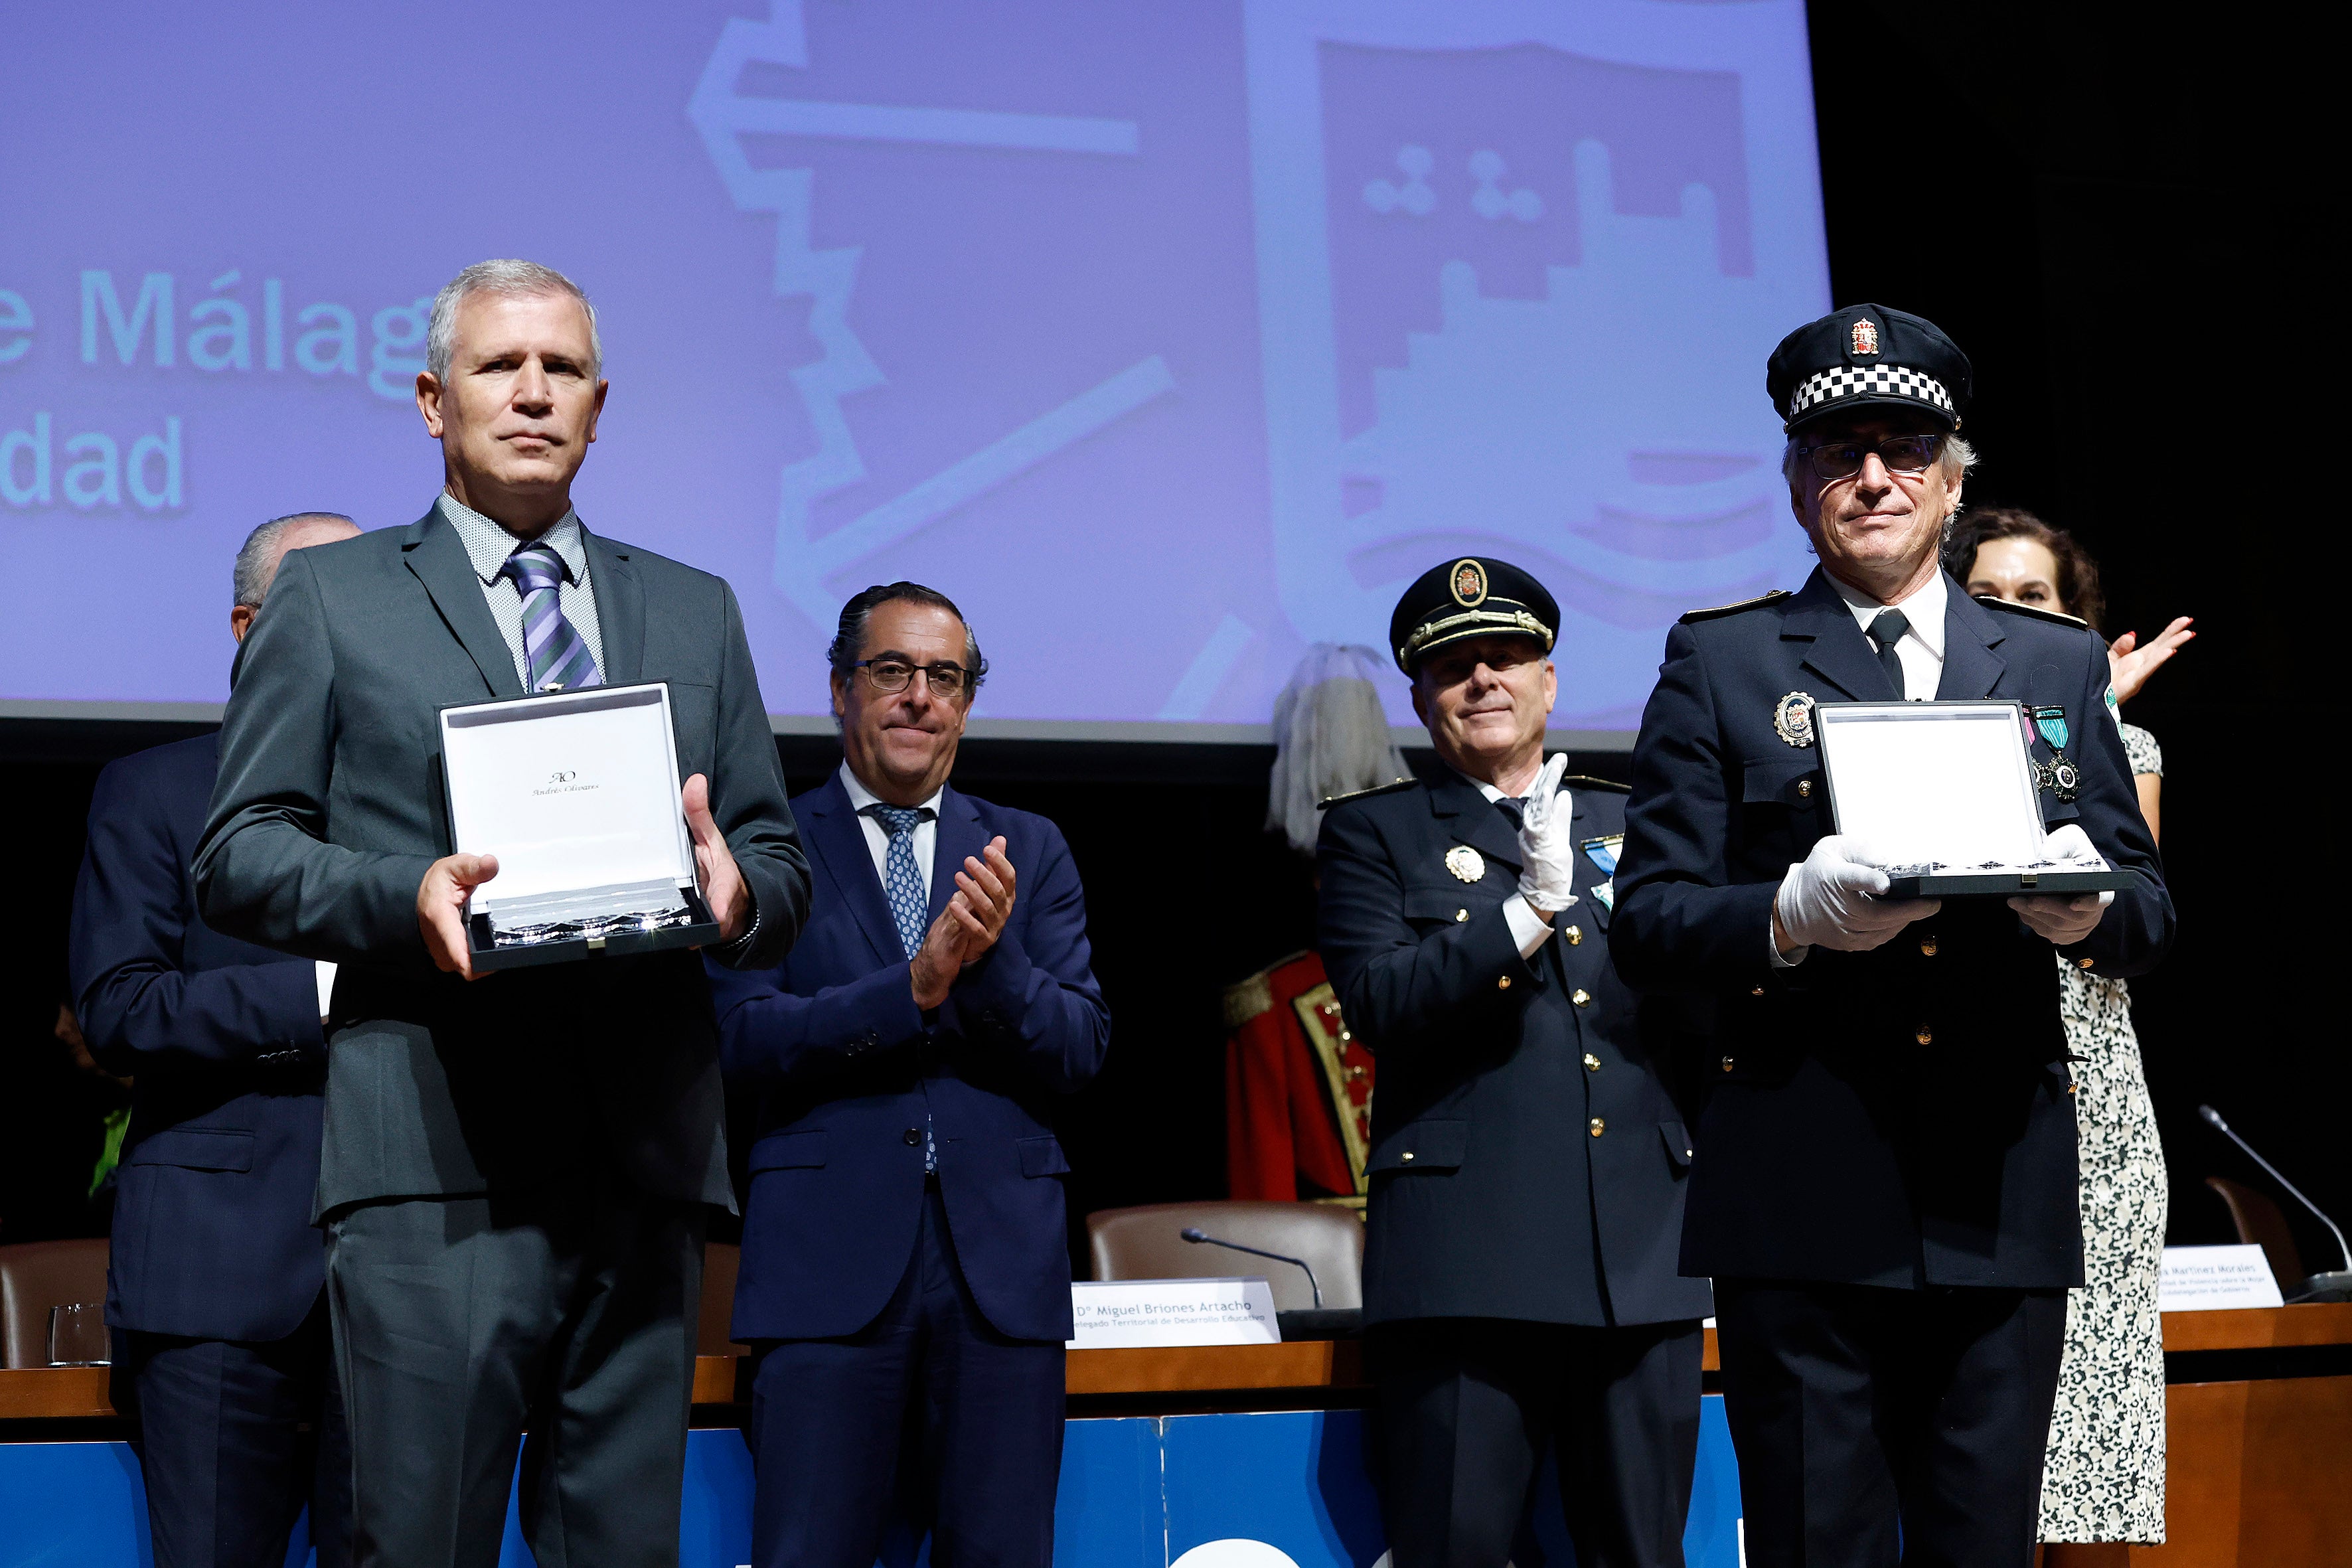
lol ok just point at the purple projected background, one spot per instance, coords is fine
(1167, 337)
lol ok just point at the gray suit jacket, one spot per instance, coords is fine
(327, 809)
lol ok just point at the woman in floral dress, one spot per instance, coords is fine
(2102, 1477)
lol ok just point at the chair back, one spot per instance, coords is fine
(1145, 1243)
(2260, 1224)
(35, 1276)
(720, 1262)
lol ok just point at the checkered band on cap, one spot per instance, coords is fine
(1842, 382)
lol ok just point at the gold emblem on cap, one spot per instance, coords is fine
(1792, 716)
(1469, 581)
(1865, 338)
(1465, 863)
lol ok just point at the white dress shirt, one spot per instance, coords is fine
(878, 837)
(1920, 649)
(1528, 929)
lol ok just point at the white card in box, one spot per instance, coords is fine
(1944, 798)
(576, 792)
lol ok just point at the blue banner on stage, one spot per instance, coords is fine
(1278, 1489)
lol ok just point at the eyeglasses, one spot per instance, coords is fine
(1901, 454)
(890, 676)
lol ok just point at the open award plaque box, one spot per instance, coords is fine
(576, 792)
(1946, 798)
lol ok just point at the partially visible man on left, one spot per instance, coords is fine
(513, 1175)
(216, 1278)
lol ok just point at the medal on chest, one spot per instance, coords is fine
(2059, 775)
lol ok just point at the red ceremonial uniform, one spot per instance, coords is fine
(1299, 1087)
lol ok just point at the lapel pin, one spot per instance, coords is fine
(1793, 717)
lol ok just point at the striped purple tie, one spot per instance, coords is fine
(554, 650)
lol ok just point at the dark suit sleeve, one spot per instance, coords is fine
(1680, 919)
(1039, 997)
(262, 868)
(767, 1032)
(131, 915)
(2137, 930)
(748, 803)
(1395, 985)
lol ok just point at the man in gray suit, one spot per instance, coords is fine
(514, 1172)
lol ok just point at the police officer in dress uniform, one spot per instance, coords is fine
(1884, 1192)
(1528, 1161)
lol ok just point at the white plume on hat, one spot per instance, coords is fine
(1330, 737)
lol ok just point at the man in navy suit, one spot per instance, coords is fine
(906, 1274)
(217, 1273)
(1885, 1186)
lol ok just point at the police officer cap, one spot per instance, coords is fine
(1470, 597)
(1867, 356)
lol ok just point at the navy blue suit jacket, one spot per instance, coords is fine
(845, 1068)
(211, 1218)
(1492, 1193)
(1900, 1117)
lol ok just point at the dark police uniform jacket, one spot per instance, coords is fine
(213, 1236)
(1900, 1117)
(1528, 1161)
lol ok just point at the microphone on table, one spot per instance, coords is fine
(2334, 1284)
(1194, 1234)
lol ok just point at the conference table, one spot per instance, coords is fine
(1265, 1442)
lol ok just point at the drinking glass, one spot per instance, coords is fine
(78, 1335)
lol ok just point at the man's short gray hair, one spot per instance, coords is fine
(515, 280)
(257, 558)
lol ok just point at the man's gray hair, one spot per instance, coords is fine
(514, 279)
(257, 558)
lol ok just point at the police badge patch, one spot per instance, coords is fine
(1469, 583)
(1792, 717)
(1466, 864)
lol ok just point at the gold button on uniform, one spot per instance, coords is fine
(1758, 991)
(1726, 1064)
(1580, 996)
(1406, 1155)
(1927, 946)
(2083, 962)
(1804, 788)
(1592, 1062)
(1575, 934)
(1599, 1127)
(1504, 984)
(1927, 1037)
(1462, 914)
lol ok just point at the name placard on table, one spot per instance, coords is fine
(1119, 1314)
(2213, 1278)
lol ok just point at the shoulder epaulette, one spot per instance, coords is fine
(1691, 616)
(1327, 804)
(1586, 780)
(1989, 603)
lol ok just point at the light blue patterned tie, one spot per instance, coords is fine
(553, 650)
(903, 885)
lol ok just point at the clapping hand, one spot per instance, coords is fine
(1546, 846)
(974, 917)
(2129, 664)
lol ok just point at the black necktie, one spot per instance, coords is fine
(1514, 809)
(1887, 629)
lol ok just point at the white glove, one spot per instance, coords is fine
(1831, 900)
(2066, 920)
(1546, 847)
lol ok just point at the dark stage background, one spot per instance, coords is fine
(2120, 224)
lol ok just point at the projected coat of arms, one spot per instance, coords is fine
(1252, 329)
